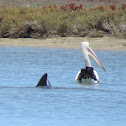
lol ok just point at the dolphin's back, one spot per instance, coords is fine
(42, 81)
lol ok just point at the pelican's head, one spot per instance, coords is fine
(87, 51)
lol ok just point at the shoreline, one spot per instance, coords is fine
(104, 43)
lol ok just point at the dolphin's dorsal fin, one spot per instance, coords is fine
(49, 85)
(42, 81)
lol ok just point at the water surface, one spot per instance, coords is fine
(72, 104)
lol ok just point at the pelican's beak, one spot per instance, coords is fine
(95, 58)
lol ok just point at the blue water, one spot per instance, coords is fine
(68, 103)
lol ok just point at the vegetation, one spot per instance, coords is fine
(62, 20)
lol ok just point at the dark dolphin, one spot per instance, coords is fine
(44, 82)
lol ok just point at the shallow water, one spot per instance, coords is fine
(67, 103)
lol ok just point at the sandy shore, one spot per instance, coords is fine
(105, 43)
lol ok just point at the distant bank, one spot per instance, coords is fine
(69, 20)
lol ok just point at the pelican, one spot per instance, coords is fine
(88, 75)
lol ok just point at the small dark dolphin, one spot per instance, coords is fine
(43, 82)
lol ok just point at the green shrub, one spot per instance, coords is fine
(41, 22)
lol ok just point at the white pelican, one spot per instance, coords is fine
(88, 75)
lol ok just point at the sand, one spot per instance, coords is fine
(105, 43)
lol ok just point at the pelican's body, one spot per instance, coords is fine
(88, 75)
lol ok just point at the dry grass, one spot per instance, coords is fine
(38, 3)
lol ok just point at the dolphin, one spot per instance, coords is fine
(44, 82)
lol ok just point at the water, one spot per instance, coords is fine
(67, 103)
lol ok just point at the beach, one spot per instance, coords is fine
(104, 43)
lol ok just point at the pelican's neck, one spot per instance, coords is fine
(84, 50)
(87, 61)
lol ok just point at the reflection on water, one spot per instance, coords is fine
(67, 103)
